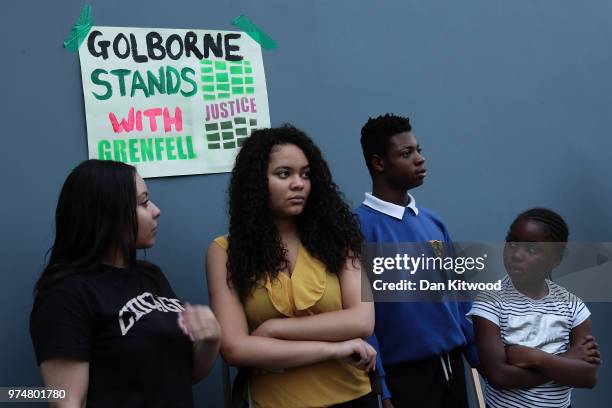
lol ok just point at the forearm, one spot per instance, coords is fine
(204, 356)
(70, 375)
(274, 354)
(567, 371)
(338, 325)
(506, 376)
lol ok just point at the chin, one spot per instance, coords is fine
(414, 185)
(292, 212)
(145, 245)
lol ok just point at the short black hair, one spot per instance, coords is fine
(377, 132)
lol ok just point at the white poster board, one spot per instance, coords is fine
(171, 102)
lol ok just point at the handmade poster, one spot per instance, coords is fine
(171, 102)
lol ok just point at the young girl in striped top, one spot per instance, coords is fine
(534, 337)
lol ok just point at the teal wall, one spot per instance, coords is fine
(511, 101)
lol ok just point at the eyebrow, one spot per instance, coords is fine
(290, 168)
(417, 146)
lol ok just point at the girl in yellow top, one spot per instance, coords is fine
(285, 284)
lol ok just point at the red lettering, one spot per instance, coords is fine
(124, 125)
(177, 121)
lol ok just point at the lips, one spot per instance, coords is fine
(515, 270)
(421, 172)
(297, 199)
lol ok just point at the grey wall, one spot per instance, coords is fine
(511, 101)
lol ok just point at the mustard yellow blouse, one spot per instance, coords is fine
(310, 290)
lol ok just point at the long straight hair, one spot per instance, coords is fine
(95, 214)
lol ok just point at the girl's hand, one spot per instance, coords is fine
(199, 324)
(265, 329)
(356, 352)
(586, 349)
(522, 356)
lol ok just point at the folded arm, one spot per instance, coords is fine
(493, 365)
(575, 368)
(240, 348)
(355, 320)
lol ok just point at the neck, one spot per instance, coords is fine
(386, 193)
(287, 228)
(533, 290)
(114, 257)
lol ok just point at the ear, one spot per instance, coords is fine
(377, 163)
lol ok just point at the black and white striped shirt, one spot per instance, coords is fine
(544, 324)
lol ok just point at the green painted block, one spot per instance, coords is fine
(237, 90)
(253, 122)
(250, 90)
(208, 88)
(209, 97)
(211, 126)
(229, 145)
(248, 80)
(223, 87)
(246, 62)
(237, 81)
(240, 141)
(240, 121)
(206, 62)
(214, 146)
(208, 78)
(220, 65)
(222, 77)
(241, 131)
(206, 70)
(227, 135)
(236, 70)
(213, 137)
(248, 70)
(227, 125)
(223, 96)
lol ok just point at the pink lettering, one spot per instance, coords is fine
(177, 121)
(152, 114)
(119, 127)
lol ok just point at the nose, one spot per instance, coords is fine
(155, 210)
(297, 182)
(518, 253)
(420, 158)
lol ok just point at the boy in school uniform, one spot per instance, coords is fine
(421, 344)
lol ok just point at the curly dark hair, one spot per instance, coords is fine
(327, 227)
(377, 132)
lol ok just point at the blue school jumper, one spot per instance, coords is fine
(414, 331)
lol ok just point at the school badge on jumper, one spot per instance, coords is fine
(437, 247)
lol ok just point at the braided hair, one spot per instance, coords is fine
(558, 230)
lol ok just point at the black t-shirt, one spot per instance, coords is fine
(124, 322)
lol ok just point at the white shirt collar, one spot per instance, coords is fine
(385, 207)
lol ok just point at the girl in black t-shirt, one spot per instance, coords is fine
(107, 328)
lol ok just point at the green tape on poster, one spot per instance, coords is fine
(254, 32)
(80, 30)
